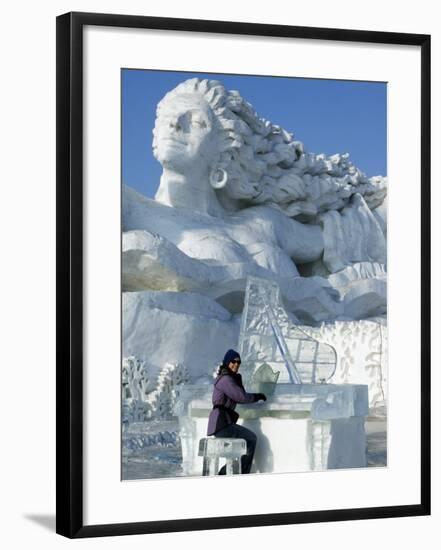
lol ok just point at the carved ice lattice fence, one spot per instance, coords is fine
(268, 335)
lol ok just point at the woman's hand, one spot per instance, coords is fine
(260, 397)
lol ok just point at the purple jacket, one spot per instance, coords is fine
(228, 391)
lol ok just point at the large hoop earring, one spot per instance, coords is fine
(218, 178)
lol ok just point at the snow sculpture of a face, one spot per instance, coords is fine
(185, 136)
(219, 157)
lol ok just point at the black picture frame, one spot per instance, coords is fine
(69, 293)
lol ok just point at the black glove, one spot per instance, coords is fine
(260, 397)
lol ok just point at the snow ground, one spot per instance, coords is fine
(162, 458)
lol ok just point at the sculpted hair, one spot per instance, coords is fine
(264, 164)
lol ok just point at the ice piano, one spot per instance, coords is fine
(306, 424)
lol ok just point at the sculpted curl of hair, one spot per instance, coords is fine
(266, 165)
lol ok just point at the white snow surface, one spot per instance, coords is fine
(182, 327)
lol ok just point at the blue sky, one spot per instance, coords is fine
(328, 116)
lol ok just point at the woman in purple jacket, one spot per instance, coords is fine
(228, 391)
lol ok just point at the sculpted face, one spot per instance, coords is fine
(184, 134)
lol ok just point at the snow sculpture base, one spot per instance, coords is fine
(304, 427)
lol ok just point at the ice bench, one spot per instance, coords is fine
(214, 448)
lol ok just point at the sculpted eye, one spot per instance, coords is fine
(197, 120)
(200, 123)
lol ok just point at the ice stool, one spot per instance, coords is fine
(213, 448)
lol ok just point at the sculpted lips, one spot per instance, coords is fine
(174, 140)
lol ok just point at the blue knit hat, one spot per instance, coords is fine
(229, 356)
